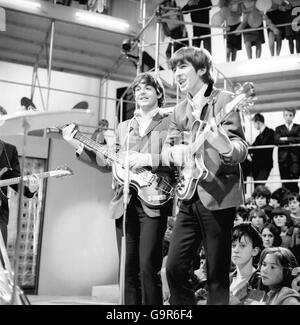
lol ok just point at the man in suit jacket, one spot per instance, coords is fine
(145, 226)
(262, 159)
(10, 168)
(209, 215)
(288, 157)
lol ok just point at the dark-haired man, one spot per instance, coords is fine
(262, 159)
(208, 216)
(145, 226)
(288, 157)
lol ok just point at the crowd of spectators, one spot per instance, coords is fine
(279, 18)
(267, 225)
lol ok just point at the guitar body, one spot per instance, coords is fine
(194, 169)
(151, 188)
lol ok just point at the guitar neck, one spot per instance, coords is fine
(218, 119)
(99, 148)
(16, 180)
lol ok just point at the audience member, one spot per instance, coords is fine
(262, 197)
(262, 159)
(258, 218)
(200, 16)
(242, 215)
(270, 235)
(279, 198)
(174, 28)
(99, 133)
(275, 16)
(276, 265)
(294, 207)
(282, 220)
(292, 33)
(288, 157)
(246, 246)
(233, 21)
(254, 37)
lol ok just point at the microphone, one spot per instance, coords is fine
(126, 167)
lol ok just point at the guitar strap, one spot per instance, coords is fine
(213, 99)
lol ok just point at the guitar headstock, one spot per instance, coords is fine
(62, 171)
(246, 92)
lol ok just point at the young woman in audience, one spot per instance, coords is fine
(258, 218)
(279, 198)
(276, 265)
(270, 235)
(262, 196)
(246, 247)
(282, 220)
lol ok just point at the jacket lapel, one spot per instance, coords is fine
(157, 118)
(1, 147)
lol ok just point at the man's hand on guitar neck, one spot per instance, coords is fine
(68, 133)
(218, 138)
(33, 183)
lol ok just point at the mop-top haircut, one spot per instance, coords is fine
(149, 79)
(199, 58)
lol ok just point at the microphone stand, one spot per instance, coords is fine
(125, 205)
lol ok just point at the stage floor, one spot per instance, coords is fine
(66, 300)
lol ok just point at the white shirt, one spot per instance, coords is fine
(144, 120)
(289, 127)
(262, 130)
(198, 101)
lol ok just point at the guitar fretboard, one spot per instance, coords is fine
(222, 114)
(110, 154)
(16, 180)
(107, 152)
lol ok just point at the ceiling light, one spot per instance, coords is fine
(103, 21)
(24, 3)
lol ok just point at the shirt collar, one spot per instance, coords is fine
(149, 116)
(262, 129)
(196, 100)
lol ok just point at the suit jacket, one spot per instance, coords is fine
(293, 137)
(223, 188)
(9, 159)
(263, 157)
(151, 142)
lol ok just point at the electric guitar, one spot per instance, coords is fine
(58, 172)
(194, 169)
(153, 189)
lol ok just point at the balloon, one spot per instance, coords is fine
(217, 19)
(255, 19)
(263, 5)
(225, 12)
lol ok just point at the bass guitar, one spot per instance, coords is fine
(153, 189)
(194, 169)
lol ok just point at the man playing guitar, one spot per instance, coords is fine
(9, 168)
(207, 215)
(145, 224)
